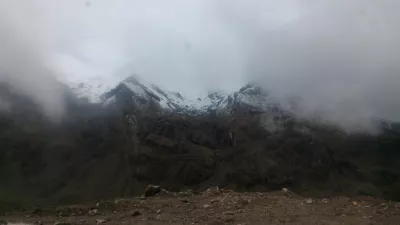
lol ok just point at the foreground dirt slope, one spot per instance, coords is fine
(216, 206)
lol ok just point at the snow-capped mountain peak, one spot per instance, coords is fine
(137, 91)
(92, 89)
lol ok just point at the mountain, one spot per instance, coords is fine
(250, 99)
(91, 91)
(141, 94)
(127, 135)
(135, 91)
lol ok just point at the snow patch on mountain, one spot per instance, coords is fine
(209, 102)
(92, 89)
(249, 97)
(143, 92)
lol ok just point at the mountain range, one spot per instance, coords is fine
(123, 136)
(141, 94)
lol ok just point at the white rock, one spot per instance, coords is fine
(100, 221)
(93, 212)
(206, 206)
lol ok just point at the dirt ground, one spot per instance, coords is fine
(215, 207)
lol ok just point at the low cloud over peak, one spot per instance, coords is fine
(340, 57)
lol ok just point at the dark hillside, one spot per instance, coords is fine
(99, 152)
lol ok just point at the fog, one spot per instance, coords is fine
(23, 58)
(339, 57)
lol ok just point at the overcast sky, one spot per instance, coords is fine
(340, 56)
(186, 46)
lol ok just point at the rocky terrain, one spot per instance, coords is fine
(217, 206)
(116, 142)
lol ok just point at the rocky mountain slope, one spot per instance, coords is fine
(138, 134)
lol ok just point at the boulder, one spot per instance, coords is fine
(152, 190)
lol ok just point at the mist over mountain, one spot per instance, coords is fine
(339, 57)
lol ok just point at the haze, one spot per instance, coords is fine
(340, 57)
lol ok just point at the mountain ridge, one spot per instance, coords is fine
(221, 103)
(129, 145)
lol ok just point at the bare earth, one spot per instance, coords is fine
(216, 207)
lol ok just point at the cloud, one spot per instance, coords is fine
(339, 57)
(23, 56)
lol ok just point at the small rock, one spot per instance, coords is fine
(93, 212)
(206, 206)
(100, 221)
(216, 223)
(119, 201)
(152, 190)
(309, 201)
(243, 201)
(79, 213)
(214, 200)
(38, 223)
(37, 211)
(325, 201)
(142, 198)
(186, 193)
(135, 213)
(158, 211)
(106, 205)
(213, 191)
(354, 203)
(285, 190)
(64, 211)
(228, 219)
(165, 191)
(185, 200)
(229, 213)
(62, 223)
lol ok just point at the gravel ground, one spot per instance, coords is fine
(214, 207)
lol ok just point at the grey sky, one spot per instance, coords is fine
(184, 46)
(340, 56)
